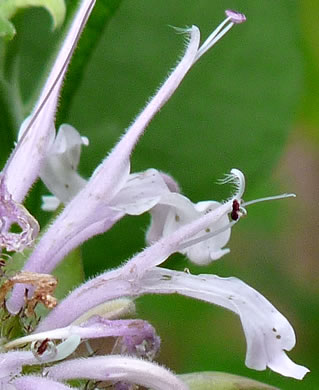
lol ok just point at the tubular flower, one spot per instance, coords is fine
(92, 207)
(175, 210)
(268, 333)
(35, 138)
(112, 191)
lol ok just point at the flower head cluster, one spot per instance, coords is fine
(93, 310)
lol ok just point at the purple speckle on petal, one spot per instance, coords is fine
(235, 17)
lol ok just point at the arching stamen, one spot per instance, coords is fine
(275, 197)
(237, 211)
(232, 19)
(207, 236)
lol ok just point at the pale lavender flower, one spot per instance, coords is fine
(117, 368)
(112, 191)
(33, 382)
(175, 210)
(137, 337)
(59, 169)
(35, 145)
(37, 131)
(35, 138)
(11, 363)
(92, 208)
(268, 333)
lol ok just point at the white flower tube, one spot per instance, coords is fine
(268, 333)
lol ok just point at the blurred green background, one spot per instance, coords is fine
(251, 103)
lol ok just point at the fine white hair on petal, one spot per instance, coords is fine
(105, 184)
(107, 181)
(30, 382)
(117, 368)
(11, 362)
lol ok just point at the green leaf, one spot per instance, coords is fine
(8, 8)
(221, 381)
(7, 124)
(96, 25)
(69, 273)
(33, 73)
(310, 32)
(7, 29)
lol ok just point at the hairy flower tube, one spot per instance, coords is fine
(112, 191)
(94, 310)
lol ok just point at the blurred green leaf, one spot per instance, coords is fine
(97, 23)
(34, 68)
(310, 103)
(7, 29)
(69, 273)
(8, 8)
(221, 381)
(6, 123)
(11, 326)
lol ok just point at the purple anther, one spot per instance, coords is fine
(235, 17)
